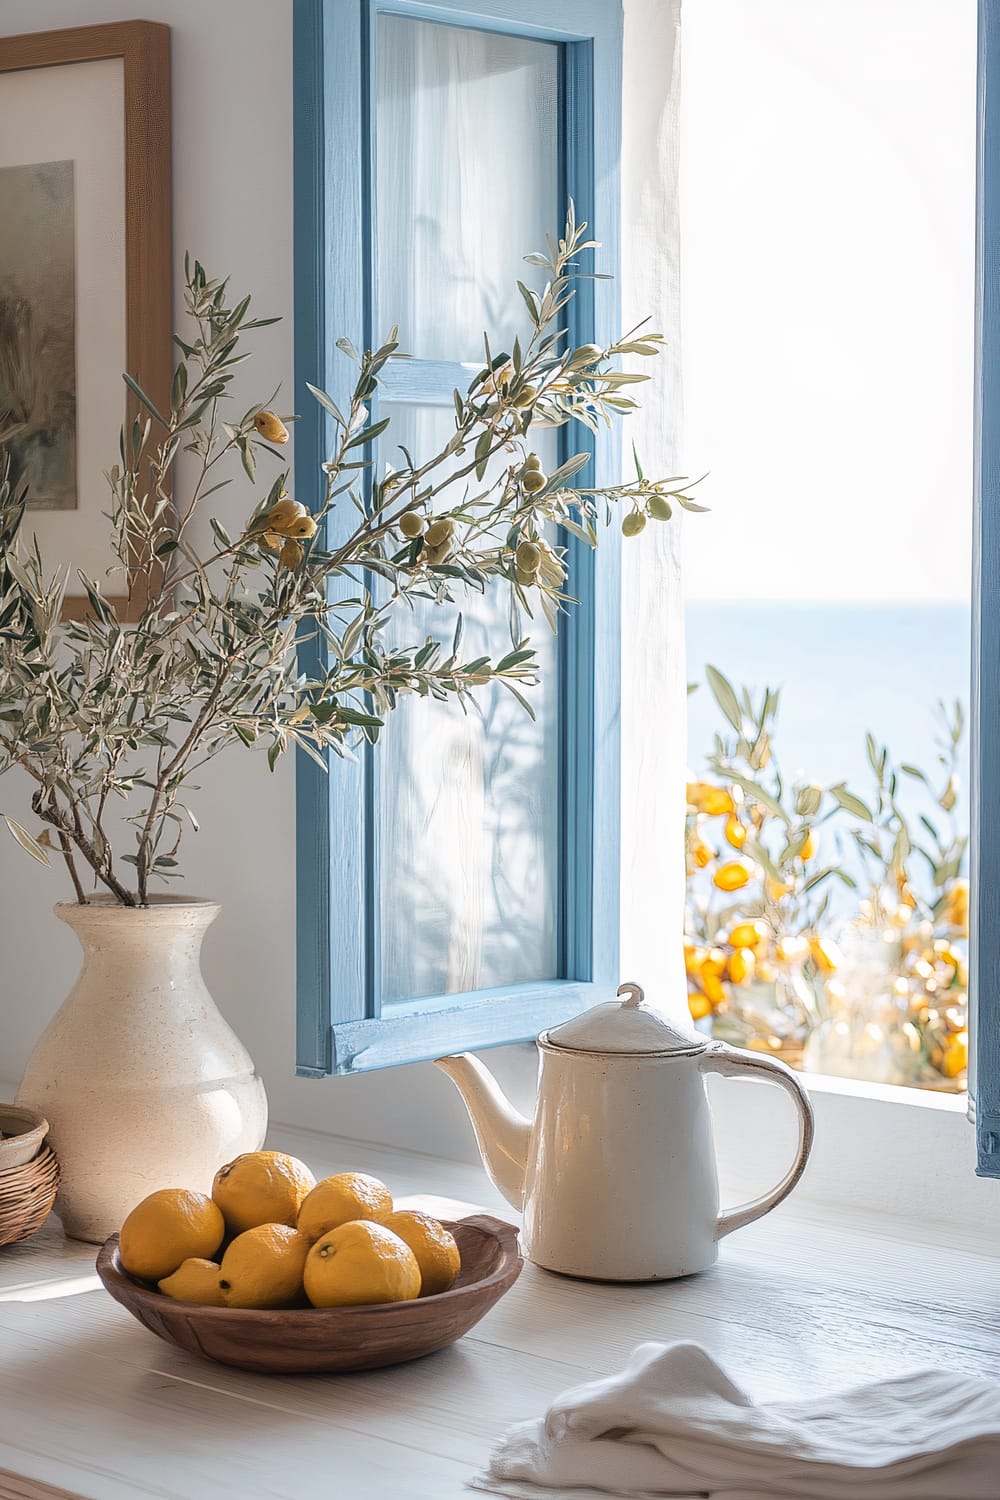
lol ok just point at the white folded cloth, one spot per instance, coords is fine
(674, 1424)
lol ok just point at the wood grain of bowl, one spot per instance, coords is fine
(328, 1340)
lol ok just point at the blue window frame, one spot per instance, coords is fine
(342, 1026)
(984, 1075)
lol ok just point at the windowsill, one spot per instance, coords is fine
(81, 1372)
(886, 1093)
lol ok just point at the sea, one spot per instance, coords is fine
(844, 670)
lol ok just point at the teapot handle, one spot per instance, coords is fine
(732, 1063)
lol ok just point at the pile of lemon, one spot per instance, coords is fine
(286, 1240)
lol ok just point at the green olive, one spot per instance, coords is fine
(528, 557)
(534, 480)
(439, 532)
(435, 556)
(659, 508)
(532, 461)
(633, 523)
(526, 579)
(411, 525)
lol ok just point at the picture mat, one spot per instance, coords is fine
(76, 112)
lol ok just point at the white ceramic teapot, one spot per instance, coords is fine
(616, 1173)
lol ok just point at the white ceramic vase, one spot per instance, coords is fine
(143, 1083)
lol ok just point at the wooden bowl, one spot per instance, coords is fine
(27, 1194)
(324, 1340)
(22, 1132)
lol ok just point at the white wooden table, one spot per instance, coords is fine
(93, 1405)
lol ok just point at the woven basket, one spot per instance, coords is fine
(27, 1194)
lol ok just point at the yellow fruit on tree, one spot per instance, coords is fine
(733, 875)
(263, 1267)
(792, 949)
(271, 427)
(699, 1005)
(810, 846)
(735, 831)
(956, 1055)
(633, 523)
(411, 524)
(261, 1187)
(342, 1199)
(195, 1280)
(753, 934)
(694, 957)
(169, 1227)
(777, 888)
(741, 965)
(713, 800)
(434, 1247)
(361, 1263)
(825, 955)
(701, 853)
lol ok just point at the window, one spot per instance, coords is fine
(459, 886)
(828, 316)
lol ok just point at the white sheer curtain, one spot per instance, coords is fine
(467, 183)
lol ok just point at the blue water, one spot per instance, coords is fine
(843, 669)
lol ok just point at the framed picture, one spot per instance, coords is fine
(85, 275)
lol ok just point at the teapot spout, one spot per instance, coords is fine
(502, 1134)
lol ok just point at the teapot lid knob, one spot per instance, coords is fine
(635, 994)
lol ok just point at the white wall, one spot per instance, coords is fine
(232, 148)
(828, 200)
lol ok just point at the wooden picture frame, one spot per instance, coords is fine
(144, 50)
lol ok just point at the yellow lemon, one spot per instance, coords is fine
(825, 955)
(342, 1199)
(360, 1263)
(792, 949)
(750, 934)
(261, 1187)
(735, 831)
(271, 427)
(701, 853)
(434, 1247)
(741, 965)
(166, 1228)
(694, 957)
(733, 876)
(956, 1056)
(195, 1280)
(713, 800)
(699, 1005)
(263, 1267)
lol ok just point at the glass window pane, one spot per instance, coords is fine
(467, 169)
(468, 801)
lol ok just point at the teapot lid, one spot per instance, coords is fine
(631, 1026)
